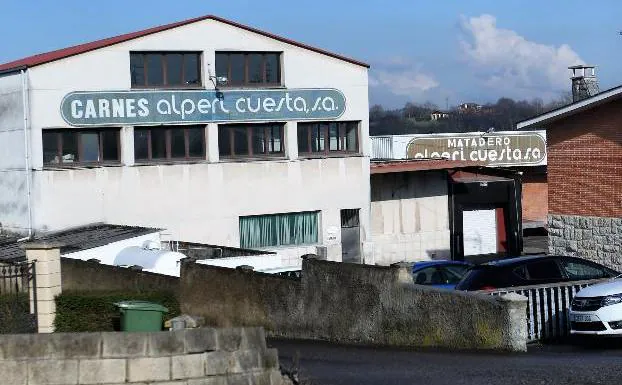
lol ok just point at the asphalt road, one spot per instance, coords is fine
(324, 364)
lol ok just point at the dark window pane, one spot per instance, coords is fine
(155, 73)
(90, 147)
(192, 75)
(273, 68)
(545, 270)
(178, 146)
(240, 140)
(222, 65)
(196, 139)
(318, 138)
(174, 63)
(333, 135)
(70, 147)
(158, 143)
(276, 142)
(236, 61)
(110, 145)
(50, 147)
(303, 138)
(141, 144)
(224, 141)
(259, 140)
(255, 68)
(352, 137)
(137, 69)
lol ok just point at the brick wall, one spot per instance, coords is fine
(535, 198)
(585, 163)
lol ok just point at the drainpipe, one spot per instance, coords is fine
(26, 108)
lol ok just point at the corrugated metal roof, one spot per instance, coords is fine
(76, 239)
(51, 56)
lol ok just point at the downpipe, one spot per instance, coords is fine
(27, 168)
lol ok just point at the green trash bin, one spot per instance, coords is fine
(141, 316)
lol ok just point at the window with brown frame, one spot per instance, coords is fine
(328, 137)
(251, 140)
(152, 144)
(86, 146)
(249, 69)
(165, 69)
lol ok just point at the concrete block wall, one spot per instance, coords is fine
(595, 238)
(187, 357)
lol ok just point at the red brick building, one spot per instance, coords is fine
(584, 146)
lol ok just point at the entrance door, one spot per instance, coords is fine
(350, 236)
(479, 228)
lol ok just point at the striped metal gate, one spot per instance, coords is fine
(547, 307)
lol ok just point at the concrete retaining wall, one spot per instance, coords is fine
(594, 238)
(351, 303)
(187, 357)
(91, 276)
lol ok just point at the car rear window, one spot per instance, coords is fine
(478, 278)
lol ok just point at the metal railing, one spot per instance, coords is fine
(381, 147)
(547, 307)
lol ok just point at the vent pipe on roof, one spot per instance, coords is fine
(584, 82)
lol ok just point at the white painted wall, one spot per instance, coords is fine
(409, 217)
(13, 174)
(107, 253)
(199, 202)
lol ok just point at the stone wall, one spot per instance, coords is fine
(595, 238)
(91, 276)
(354, 304)
(187, 357)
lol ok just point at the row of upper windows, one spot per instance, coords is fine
(183, 69)
(168, 143)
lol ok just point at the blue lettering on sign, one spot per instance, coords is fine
(97, 108)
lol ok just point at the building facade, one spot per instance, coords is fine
(585, 177)
(217, 132)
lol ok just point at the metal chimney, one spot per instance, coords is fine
(584, 82)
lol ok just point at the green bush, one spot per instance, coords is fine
(95, 311)
(15, 314)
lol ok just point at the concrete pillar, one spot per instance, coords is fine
(127, 145)
(212, 143)
(291, 140)
(46, 257)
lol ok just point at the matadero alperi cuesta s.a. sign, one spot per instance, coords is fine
(100, 108)
(494, 149)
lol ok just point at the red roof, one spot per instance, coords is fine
(419, 165)
(47, 57)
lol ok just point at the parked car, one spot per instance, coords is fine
(442, 274)
(531, 270)
(597, 309)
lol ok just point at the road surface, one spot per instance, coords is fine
(325, 364)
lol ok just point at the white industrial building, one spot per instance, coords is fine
(217, 132)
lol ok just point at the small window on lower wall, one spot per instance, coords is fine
(99, 146)
(169, 143)
(251, 140)
(276, 230)
(324, 138)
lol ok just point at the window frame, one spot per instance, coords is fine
(318, 240)
(250, 127)
(168, 145)
(144, 54)
(77, 133)
(309, 127)
(246, 83)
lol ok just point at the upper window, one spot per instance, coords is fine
(169, 143)
(165, 69)
(88, 146)
(248, 140)
(328, 137)
(250, 69)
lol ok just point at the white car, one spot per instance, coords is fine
(597, 309)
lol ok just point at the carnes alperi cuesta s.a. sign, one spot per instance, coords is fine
(97, 108)
(494, 149)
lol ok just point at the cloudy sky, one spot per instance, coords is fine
(438, 51)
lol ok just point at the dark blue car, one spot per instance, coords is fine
(441, 274)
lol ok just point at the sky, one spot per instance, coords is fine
(444, 51)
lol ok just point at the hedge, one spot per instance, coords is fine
(96, 312)
(15, 314)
